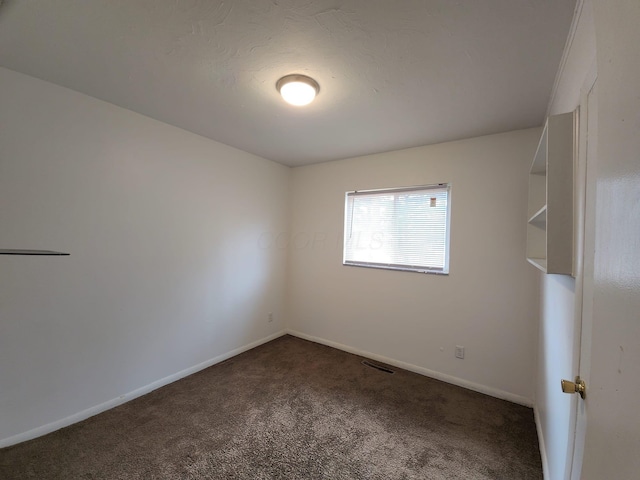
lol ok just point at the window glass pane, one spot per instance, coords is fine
(401, 228)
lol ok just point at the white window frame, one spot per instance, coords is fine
(432, 269)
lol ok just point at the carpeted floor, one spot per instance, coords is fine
(292, 409)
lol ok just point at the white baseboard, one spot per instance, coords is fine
(493, 392)
(541, 445)
(90, 412)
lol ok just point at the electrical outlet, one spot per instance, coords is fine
(270, 317)
(459, 351)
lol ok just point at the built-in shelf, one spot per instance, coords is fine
(30, 252)
(550, 212)
(540, 217)
(539, 165)
(540, 263)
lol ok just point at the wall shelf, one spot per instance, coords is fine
(540, 263)
(10, 251)
(540, 217)
(550, 207)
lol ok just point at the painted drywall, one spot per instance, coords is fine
(400, 71)
(558, 354)
(555, 362)
(488, 302)
(166, 272)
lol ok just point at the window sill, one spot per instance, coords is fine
(399, 268)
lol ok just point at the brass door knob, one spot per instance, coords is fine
(574, 387)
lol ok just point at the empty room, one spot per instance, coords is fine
(295, 239)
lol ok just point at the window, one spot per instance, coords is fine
(398, 229)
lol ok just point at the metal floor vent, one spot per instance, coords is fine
(377, 367)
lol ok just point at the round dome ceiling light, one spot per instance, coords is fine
(298, 89)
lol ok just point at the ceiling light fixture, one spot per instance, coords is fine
(298, 89)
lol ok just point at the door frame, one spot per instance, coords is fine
(584, 243)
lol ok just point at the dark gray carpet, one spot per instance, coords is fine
(292, 409)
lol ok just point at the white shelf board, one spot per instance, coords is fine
(540, 217)
(540, 263)
(539, 165)
(14, 251)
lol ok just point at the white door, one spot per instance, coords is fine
(611, 320)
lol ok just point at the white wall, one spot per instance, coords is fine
(488, 303)
(557, 355)
(555, 362)
(166, 268)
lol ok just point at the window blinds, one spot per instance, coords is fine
(404, 229)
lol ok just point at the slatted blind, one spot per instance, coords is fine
(401, 229)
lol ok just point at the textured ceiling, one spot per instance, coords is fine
(393, 74)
